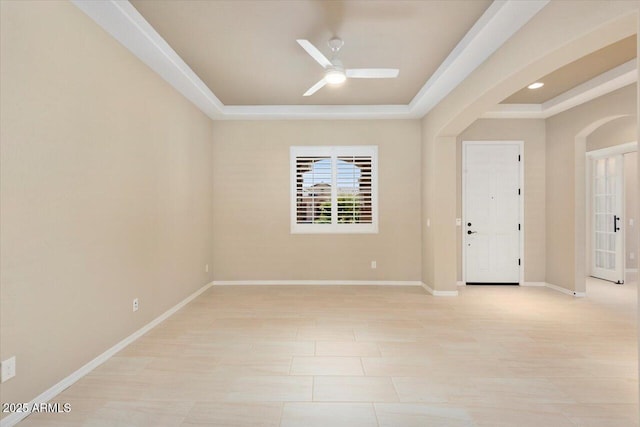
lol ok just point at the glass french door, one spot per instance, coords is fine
(607, 222)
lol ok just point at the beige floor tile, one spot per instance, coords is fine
(504, 417)
(328, 414)
(326, 365)
(507, 392)
(599, 390)
(283, 348)
(353, 389)
(326, 334)
(189, 387)
(494, 356)
(421, 415)
(612, 421)
(347, 348)
(270, 389)
(397, 366)
(409, 349)
(234, 414)
(140, 413)
(432, 389)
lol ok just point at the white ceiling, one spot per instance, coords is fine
(239, 60)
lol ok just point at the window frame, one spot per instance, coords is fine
(333, 152)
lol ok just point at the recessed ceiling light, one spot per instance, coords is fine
(536, 85)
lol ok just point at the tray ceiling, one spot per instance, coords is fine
(246, 51)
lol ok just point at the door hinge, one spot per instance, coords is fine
(518, 261)
(518, 227)
(518, 191)
(518, 157)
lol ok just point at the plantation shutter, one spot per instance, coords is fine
(354, 189)
(334, 189)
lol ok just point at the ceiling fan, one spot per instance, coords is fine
(335, 73)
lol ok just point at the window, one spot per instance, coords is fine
(334, 189)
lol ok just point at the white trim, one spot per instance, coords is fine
(520, 145)
(438, 293)
(603, 84)
(316, 112)
(625, 148)
(123, 21)
(460, 283)
(53, 391)
(499, 22)
(317, 283)
(541, 284)
(565, 290)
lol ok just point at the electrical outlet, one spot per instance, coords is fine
(374, 264)
(631, 222)
(206, 268)
(135, 304)
(8, 369)
(458, 222)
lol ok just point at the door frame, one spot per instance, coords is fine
(520, 145)
(591, 156)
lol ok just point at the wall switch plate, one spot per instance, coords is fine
(632, 255)
(428, 222)
(136, 304)
(374, 264)
(458, 222)
(8, 369)
(631, 222)
(206, 268)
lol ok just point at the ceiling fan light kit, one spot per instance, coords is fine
(335, 77)
(335, 73)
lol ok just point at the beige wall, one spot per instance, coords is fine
(566, 136)
(532, 132)
(615, 132)
(252, 239)
(105, 193)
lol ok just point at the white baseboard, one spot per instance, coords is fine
(439, 293)
(316, 282)
(565, 290)
(461, 283)
(52, 392)
(533, 284)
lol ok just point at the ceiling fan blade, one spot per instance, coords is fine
(314, 52)
(372, 73)
(316, 87)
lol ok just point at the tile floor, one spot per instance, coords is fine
(374, 356)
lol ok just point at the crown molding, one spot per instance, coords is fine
(614, 79)
(123, 22)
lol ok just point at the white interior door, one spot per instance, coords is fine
(607, 221)
(491, 220)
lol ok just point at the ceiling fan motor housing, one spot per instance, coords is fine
(335, 44)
